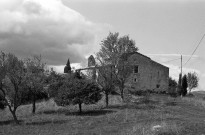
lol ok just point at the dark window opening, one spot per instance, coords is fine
(157, 85)
(135, 80)
(135, 69)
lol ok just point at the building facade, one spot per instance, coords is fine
(142, 73)
(146, 74)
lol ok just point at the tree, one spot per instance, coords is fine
(77, 91)
(12, 82)
(55, 81)
(123, 71)
(2, 102)
(112, 48)
(172, 86)
(184, 85)
(192, 80)
(35, 80)
(2, 76)
(105, 80)
(67, 68)
(179, 85)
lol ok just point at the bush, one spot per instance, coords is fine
(190, 95)
(172, 87)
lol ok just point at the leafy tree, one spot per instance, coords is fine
(184, 85)
(179, 85)
(105, 80)
(77, 91)
(35, 80)
(2, 102)
(2, 76)
(192, 80)
(112, 47)
(172, 86)
(12, 82)
(123, 71)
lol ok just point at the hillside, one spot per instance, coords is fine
(145, 115)
(200, 94)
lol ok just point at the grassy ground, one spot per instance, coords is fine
(145, 115)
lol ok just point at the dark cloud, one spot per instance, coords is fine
(47, 28)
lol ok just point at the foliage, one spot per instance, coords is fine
(67, 68)
(55, 81)
(179, 87)
(34, 80)
(77, 91)
(112, 47)
(172, 86)
(2, 102)
(184, 85)
(12, 82)
(105, 80)
(192, 80)
(123, 71)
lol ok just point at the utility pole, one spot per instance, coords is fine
(181, 70)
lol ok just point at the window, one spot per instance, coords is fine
(135, 80)
(136, 69)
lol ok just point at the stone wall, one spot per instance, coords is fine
(151, 75)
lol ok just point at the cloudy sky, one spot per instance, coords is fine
(61, 29)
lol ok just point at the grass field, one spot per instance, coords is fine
(145, 115)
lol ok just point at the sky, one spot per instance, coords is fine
(61, 29)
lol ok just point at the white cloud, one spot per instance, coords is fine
(48, 28)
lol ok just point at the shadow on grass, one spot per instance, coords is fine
(132, 106)
(171, 103)
(91, 113)
(84, 113)
(9, 122)
(59, 111)
(143, 103)
(47, 122)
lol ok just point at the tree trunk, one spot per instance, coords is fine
(15, 117)
(34, 105)
(122, 90)
(122, 93)
(80, 107)
(13, 112)
(106, 99)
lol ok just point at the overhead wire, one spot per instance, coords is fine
(195, 49)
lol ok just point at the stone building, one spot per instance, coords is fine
(142, 72)
(146, 74)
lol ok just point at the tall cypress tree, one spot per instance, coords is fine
(179, 87)
(67, 68)
(184, 85)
